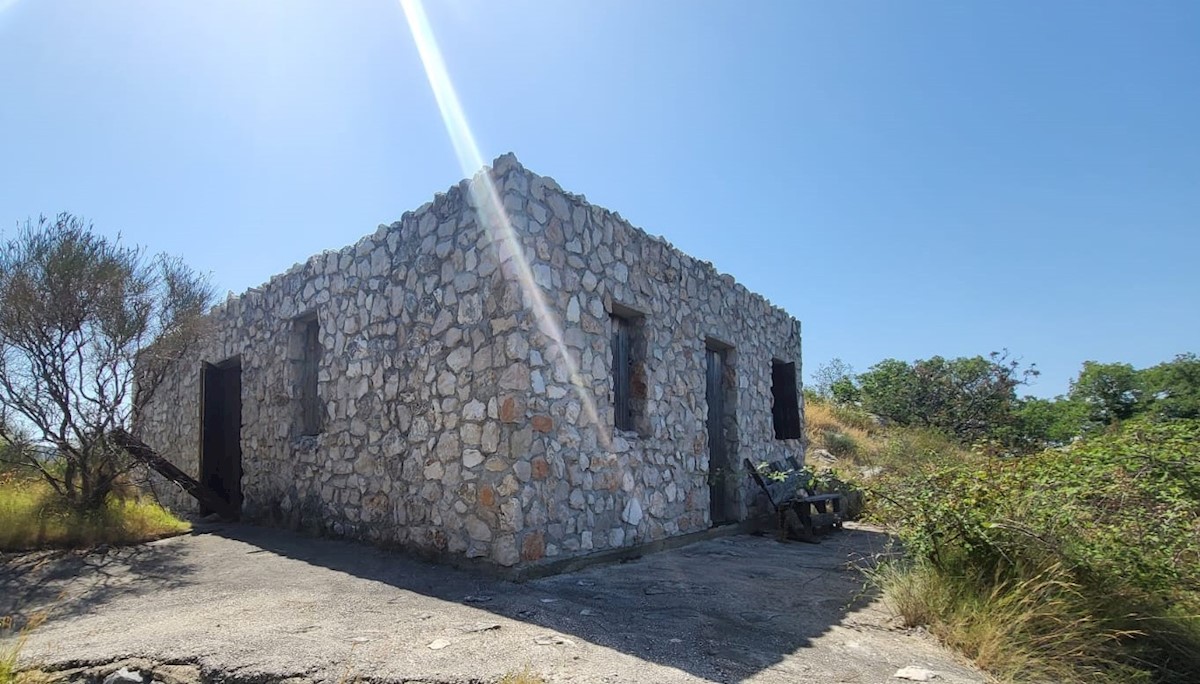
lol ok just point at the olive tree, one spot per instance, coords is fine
(88, 329)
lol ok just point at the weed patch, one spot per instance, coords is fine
(32, 516)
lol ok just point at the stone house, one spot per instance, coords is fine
(521, 385)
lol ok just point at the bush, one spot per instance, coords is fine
(840, 444)
(1100, 540)
(910, 450)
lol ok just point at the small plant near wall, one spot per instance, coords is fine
(823, 481)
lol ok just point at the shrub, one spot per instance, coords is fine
(840, 444)
(1100, 540)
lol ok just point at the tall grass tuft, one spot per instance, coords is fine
(1073, 565)
(12, 652)
(32, 516)
(1037, 628)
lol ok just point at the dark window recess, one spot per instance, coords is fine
(309, 362)
(785, 408)
(622, 345)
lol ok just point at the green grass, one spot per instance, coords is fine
(32, 517)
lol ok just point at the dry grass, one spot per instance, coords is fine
(1038, 629)
(855, 438)
(32, 517)
(10, 653)
(522, 676)
(828, 428)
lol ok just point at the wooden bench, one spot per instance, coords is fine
(799, 512)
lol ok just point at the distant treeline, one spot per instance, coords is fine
(975, 399)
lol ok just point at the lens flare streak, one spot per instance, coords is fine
(486, 197)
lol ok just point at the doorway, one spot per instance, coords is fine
(722, 427)
(221, 431)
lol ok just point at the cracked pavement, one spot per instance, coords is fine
(246, 603)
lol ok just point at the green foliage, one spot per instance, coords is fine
(1108, 393)
(1111, 391)
(1076, 563)
(1047, 422)
(820, 481)
(844, 392)
(1172, 389)
(892, 390)
(834, 382)
(840, 444)
(972, 398)
(1126, 507)
(1112, 520)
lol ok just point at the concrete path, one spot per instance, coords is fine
(240, 603)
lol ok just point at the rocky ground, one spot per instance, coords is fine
(243, 604)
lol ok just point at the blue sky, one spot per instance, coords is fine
(907, 178)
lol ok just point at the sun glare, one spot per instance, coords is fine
(6, 5)
(491, 214)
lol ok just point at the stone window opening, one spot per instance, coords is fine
(629, 374)
(305, 356)
(785, 400)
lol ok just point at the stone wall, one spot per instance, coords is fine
(451, 422)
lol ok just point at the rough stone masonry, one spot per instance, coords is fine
(408, 390)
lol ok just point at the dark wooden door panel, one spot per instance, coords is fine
(221, 432)
(718, 466)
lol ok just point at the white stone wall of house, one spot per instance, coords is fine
(450, 423)
(593, 488)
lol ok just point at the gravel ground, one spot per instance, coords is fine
(243, 604)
